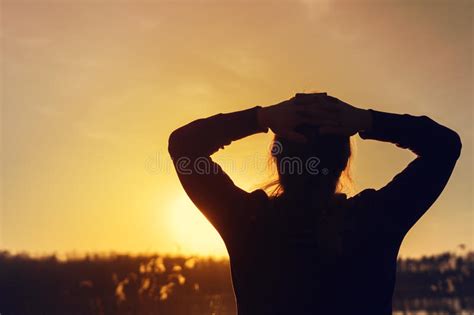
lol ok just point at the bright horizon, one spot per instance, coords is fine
(92, 90)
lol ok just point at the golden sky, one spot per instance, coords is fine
(92, 89)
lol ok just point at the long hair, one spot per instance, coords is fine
(322, 164)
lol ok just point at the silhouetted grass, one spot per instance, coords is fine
(122, 284)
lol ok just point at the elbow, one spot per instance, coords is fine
(175, 143)
(185, 142)
(445, 139)
(456, 144)
(452, 144)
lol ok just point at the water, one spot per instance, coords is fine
(434, 306)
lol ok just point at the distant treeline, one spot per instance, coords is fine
(141, 285)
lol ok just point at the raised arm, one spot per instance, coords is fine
(208, 186)
(411, 192)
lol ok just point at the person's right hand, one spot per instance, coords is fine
(283, 117)
(347, 119)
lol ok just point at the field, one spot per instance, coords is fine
(141, 285)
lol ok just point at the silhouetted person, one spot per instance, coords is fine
(309, 249)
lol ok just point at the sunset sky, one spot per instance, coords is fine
(91, 91)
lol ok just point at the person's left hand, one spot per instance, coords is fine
(341, 118)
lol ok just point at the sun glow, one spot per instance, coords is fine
(193, 233)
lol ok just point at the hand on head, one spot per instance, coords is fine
(329, 114)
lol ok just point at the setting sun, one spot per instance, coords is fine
(192, 231)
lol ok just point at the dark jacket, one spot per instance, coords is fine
(341, 263)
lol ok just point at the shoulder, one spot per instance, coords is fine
(245, 218)
(258, 202)
(363, 204)
(363, 198)
(252, 206)
(259, 195)
(367, 204)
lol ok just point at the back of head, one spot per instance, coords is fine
(312, 167)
